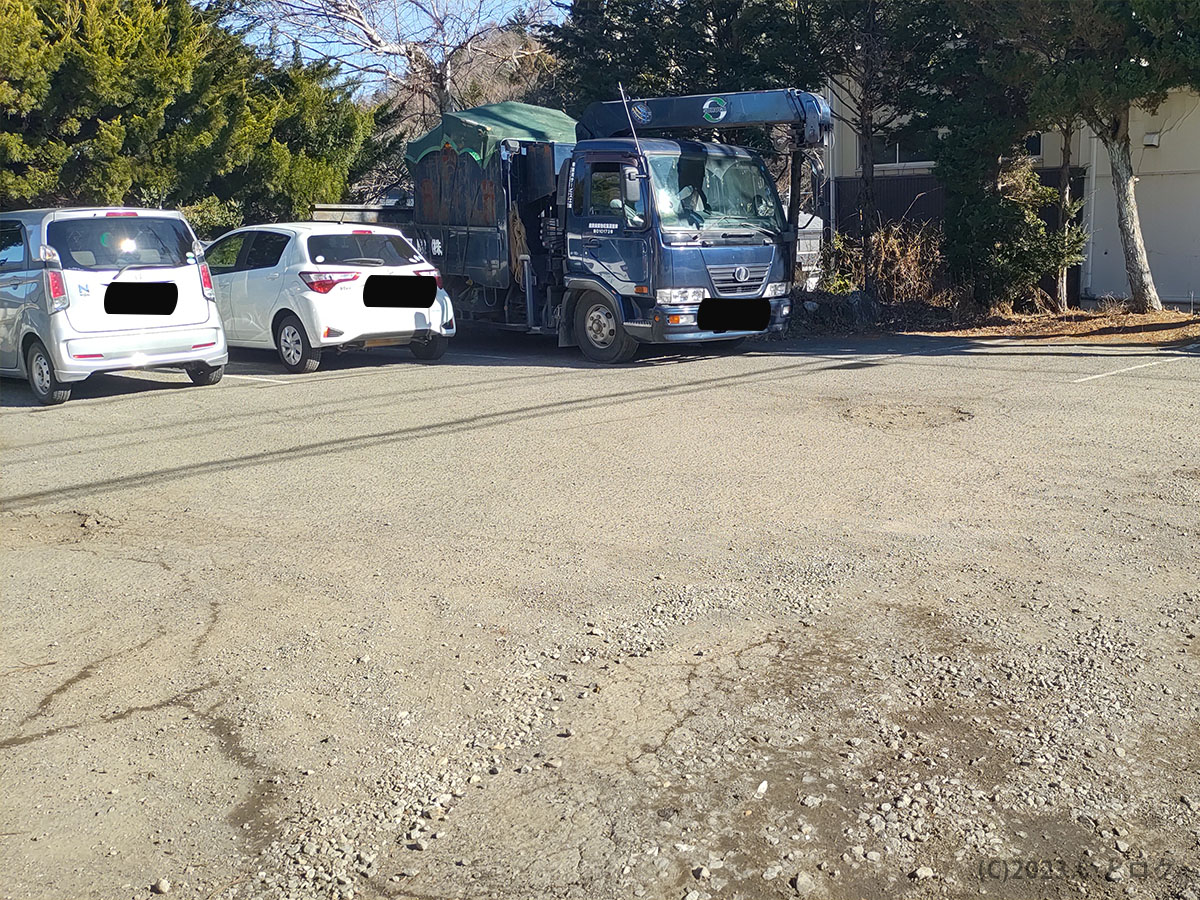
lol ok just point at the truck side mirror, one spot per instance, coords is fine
(631, 186)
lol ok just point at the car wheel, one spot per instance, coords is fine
(598, 328)
(433, 348)
(202, 374)
(295, 352)
(42, 380)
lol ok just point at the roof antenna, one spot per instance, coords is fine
(632, 130)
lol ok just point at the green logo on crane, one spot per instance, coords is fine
(715, 109)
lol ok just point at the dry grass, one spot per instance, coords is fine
(917, 297)
(1109, 324)
(909, 268)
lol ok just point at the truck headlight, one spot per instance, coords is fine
(778, 289)
(679, 295)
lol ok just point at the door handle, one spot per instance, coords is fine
(272, 276)
(592, 242)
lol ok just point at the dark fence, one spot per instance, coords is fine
(910, 198)
(914, 198)
(921, 198)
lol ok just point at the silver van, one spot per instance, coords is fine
(101, 290)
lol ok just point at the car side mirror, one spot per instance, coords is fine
(631, 186)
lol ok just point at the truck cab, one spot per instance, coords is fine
(607, 238)
(680, 240)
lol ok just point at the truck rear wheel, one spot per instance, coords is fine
(598, 328)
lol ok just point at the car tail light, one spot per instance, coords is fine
(206, 281)
(119, 215)
(437, 276)
(362, 231)
(202, 346)
(58, 290)
(324, 282)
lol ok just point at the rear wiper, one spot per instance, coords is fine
(121, 271)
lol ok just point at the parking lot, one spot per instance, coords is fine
(847, 617)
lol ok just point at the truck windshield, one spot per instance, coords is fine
(114, 242)
(696, 190)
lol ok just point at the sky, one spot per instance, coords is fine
(317, 43)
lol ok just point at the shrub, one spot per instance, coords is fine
(212, 217)
(910, 267)
(998, 247)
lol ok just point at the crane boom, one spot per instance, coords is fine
(806, 111)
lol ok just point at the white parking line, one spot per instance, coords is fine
(1127, 369)
(258, 378)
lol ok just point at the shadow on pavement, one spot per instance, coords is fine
(16, 394)
(482, 347)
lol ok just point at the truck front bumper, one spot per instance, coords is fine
(677, 324)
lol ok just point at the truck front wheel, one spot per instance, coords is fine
(598, 328)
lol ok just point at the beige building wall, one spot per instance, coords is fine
(1168, 192)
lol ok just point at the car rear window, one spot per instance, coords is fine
(118, 241)
(363, 249)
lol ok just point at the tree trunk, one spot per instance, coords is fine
(793, 211)
(866, 142)
(1143, 295)
(869, 48)
(441, 87)
(1064, 214)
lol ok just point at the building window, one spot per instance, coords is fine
(1033, 144)
(893, 153)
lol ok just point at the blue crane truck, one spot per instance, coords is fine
(604, 235)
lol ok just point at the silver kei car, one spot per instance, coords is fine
(91, 290)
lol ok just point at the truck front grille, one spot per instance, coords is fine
(726, 284)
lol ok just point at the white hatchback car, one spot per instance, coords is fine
(303, 287)
(89, 290)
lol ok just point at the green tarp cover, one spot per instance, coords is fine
(479, 131)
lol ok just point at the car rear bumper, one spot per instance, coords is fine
(76, 357)
(381, 327)
(390, 339)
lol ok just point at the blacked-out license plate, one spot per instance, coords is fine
(141, 298)
(720, 314)
(400, 291)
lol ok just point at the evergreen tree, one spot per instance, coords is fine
(977, 96)
(664, 47)
(870, 50)
(1098, 59)
(153, 102)
(605, 42)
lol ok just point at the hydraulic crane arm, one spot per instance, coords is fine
(807, 112)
